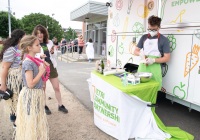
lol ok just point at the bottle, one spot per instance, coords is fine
(125, 81)
(102, 66)
(199, 70)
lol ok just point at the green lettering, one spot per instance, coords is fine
(105, 108)
(177, 3)
(181, 1)
(185, 1)
(96, 106)
(100, 93)
(97, 92)
(96, 98)
(106, 112)
(104, 104)
(102, 110)
(173, 4)
(116, 110)
(116, 117)
(113, 116)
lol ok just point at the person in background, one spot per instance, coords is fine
(71, 44)
(1, 40)
(50, 56)
(55, 42)
(154, 49)
(90, 50)
(11, 77)
(63, 45)
(75, 42)
(80, 45)
(31, 118)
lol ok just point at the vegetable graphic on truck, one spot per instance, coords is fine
(194, 60)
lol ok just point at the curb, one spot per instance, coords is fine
(69, 58)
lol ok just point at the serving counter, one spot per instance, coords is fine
(126, 111)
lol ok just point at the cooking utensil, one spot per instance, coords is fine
(144, 76)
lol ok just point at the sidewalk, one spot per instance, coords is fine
(76, 125)
(74, 57)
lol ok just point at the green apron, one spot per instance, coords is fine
(155, 69)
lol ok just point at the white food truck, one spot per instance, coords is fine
(128, 21)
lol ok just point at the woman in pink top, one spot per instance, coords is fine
(80, 44)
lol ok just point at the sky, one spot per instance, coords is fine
(60, 8)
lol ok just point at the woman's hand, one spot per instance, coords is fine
(3, 87)
(52, 50)
(42, 56)
(46, 64)
(4, 74)
(42, 69)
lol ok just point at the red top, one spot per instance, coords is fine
(81, 42)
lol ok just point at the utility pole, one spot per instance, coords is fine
(52, 20)
(73, 34)
(46, 24)
(9, 21)
(52, 24)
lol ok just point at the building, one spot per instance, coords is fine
(94, 16)
(78, 31)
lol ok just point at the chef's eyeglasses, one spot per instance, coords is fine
(153, 30)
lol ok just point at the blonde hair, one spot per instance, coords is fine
(26, 41)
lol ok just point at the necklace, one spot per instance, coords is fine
(38, 61)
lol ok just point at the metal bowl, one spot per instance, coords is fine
(144, 76)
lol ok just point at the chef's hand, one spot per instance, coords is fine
(142, 55)
(150, 61)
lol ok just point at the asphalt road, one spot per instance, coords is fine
(74, 75)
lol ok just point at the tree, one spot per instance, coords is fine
(15, 24)
(70, 34)
(53, 26)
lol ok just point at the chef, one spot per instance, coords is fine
(154, 49)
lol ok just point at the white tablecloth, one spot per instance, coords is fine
(120, 115)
